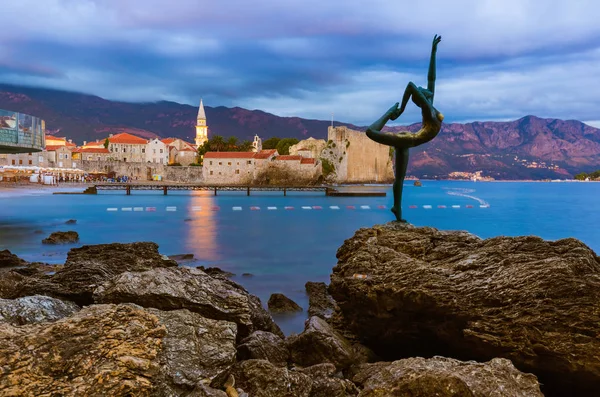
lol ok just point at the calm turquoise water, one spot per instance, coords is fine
(285, 248)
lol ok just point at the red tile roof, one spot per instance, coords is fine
(53, 148)
(127, 138)
(187, 149)
(288, 158)
(265, 154)
(307, 161)
(228, 155)
(91, 150)
(168, 141)
(96, 143)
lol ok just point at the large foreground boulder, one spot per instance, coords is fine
(109, 350)
(261, 345)
(445, 377)
(34, 309)
(85, 269)
(425, 292)
(192, 289)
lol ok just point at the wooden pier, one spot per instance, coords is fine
(165, 187)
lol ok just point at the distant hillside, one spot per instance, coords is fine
(522, 149)
(87, 117)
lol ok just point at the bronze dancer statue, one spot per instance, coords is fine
(402, 141)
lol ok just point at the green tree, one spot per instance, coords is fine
(232, 144)
(283, 147)
(581, 176)
(271, 143)
(217, 143)
(106, 143)
(245, 146)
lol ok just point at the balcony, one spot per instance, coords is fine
(21, 133)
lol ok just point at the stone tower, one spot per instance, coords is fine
(257, 144)
(201, 127)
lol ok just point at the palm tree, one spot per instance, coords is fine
(217, 143)
(232, 143)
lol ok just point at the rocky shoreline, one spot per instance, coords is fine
(409, 312)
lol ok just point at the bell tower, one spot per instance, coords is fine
(201, 127)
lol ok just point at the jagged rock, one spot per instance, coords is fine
(181, 257)
(440, 376)
(37, 269)
(327, 382)
(320, 303)
(279, 303)
(319, 343)
(260, 378)
(34, 309)
(177, 288)
(216, 272)
(263, 345)
(8, 259)
(87, 267)
(62, 238)
(109, 350)
(195, 348)
(430, 292)
(71, 222)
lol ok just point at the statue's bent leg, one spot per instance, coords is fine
(401, 165)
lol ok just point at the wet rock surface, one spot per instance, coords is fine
(192, 289)
(62, 238)
(430, 292)
(261, 345)
(8, 259)
(279, 303)
(320, 303)
(445, 377)
(320, 343)
(216, 272)
(34, 309)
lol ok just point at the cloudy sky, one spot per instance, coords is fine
(498, 59)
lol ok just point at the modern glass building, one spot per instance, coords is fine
(21, 133)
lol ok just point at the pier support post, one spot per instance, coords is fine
(128, 190)
(215, 190)
(165, 190)
(284, 192)
(248, 191)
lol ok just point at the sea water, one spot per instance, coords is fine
(283, 242)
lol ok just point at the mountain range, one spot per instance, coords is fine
(527, 148)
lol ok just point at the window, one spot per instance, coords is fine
(238, 163)
(229, 163)
(13, 162)
(210, 172)
(20, 161)
(66, 156)
(89, 158)
(161, 150)
(29, 154)
(98, 158)
(41, 159)
(220, 163)
(124, 150)
(143, 150)
(154, 151)
(60, 156)
(237, 171)
(161, 161)
(30, 161)
(249, 161)
(74, 165)
(219, 173)
(211, 163)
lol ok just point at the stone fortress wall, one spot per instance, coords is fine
(356, 158)
(144, 171)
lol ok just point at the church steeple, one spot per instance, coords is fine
(201, 114)
(201, 127)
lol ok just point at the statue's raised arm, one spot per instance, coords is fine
(431, 73)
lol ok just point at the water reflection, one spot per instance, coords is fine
(202, 228)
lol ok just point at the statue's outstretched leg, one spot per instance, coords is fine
(401, 165)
